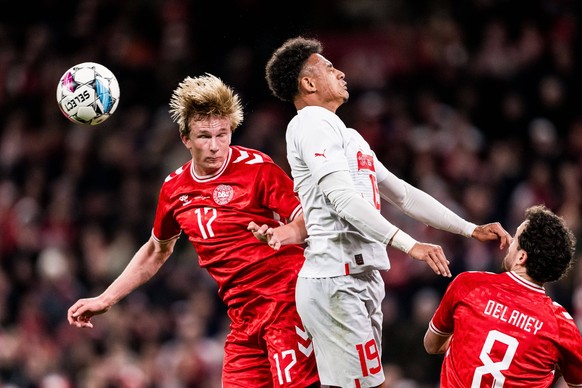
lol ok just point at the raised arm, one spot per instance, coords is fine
(425, 208)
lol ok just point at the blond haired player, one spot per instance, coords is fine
(211, 199)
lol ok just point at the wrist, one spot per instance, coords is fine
(470, 229)
(402, 241)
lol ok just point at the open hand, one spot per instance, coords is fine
(81, 312)
(433, 255)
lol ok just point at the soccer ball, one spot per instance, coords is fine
(88, 93)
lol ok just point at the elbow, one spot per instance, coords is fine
(431, 349)
(429, 346)
(434, 344)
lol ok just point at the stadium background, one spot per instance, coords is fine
(474, 101)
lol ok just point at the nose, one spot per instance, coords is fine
(213, 144)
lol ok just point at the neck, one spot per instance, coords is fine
(522, 272)
(301, 103)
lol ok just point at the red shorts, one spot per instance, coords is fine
(268, 347)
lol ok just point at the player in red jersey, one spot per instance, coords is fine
(502, 330)
(212, 199)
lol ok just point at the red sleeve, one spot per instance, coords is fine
(443, 319)
(275, 189)
(570, 346)
(165, 225)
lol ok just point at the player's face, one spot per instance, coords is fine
(329, 81)
(513, 251)
(208, 142)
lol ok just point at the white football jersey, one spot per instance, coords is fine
(318, 143)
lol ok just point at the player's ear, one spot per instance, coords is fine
(186, 141)
(521, 257)
(306, 84)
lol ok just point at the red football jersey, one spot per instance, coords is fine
(214, 212)
(507, 333)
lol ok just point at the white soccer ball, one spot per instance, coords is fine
(88, 93)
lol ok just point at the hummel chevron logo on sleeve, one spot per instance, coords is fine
(256, 158)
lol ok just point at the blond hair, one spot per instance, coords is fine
(204, 97)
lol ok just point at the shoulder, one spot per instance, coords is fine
(177, 174)
(354, 137)
(476, 276)
(176, 180)
(254, 163)
(352, 132)
(249, 156)
(565, 320)
(318, 114)
(314, 124)
(473, 279)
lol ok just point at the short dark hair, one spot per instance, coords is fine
(549, 243)
(286, 63)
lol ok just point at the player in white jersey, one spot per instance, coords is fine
(340, 181)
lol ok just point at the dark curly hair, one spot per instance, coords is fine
(549, 244)
(286, 63)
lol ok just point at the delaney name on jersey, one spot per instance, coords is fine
(515, 317)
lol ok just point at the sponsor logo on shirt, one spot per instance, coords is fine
(222, 194)
(365, 162)
(322, 154)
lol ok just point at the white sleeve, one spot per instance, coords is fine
(421, 206)
(351, 206)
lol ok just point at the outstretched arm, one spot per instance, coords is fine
(425, 208)
(352, 207)
(491, 232)
(143, 266)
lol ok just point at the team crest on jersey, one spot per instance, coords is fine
(223, 194)
(365, 162)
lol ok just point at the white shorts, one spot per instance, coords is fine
(343, 315)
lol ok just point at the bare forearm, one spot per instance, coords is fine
(292, 233)
(436, 344)
(143, 266)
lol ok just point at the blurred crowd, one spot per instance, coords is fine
(474, 101)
